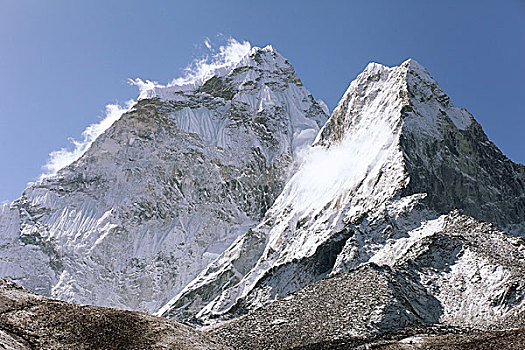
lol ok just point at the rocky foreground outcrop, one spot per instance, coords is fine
(29, 321)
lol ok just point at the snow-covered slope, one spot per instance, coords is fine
(165, 189)
(394, 155)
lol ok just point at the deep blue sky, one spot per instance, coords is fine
(61, 62)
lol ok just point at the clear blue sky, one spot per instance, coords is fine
(61, 62)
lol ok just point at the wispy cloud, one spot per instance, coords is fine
(65, 156)
(220, 61)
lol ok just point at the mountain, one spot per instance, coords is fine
(398, 178)
(164, 190)
(394, 223)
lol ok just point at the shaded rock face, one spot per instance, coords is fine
(392, 158)
(29, 321)
(164, 190)
(461, 168)
(445, 152)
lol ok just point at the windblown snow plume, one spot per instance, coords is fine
(327, 172)
(63, 157)
(220, 62)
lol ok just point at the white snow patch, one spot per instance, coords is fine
(412, 340)
(323, 105)
(461, 118)
(396, 249)
(208, 44)
(279, 321)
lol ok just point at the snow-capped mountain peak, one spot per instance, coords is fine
(394, 154)
(167, 187)
(408, 85)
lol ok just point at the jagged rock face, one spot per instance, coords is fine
(445, 152)
(457, 165)
(308, 212)
(473, 269)
(164, 190)
(394, 155)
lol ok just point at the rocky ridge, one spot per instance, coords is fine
(29, 321)
(456, 274)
